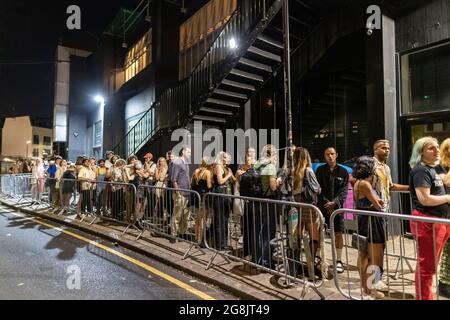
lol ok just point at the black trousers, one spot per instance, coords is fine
(118, 204)
(221, 215)
(259, 229)
(86, 201)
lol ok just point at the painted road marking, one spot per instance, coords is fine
(144, 266)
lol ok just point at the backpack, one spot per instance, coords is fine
(250, 184)
(310, 189)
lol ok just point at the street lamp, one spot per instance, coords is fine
(232, 43)
(28, 143)
(100, 99)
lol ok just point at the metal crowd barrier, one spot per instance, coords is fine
(5, 184)
(69, 196)
(114, 201)
(11, 185)
(400, 202)
(372, 251)
(176, 214)
(99, 200)
(274, 236)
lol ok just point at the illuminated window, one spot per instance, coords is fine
(200, 30)
(139, 56)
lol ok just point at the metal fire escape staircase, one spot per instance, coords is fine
(238, 63)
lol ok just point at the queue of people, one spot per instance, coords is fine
(327, 187)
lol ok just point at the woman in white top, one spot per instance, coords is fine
(37, 180)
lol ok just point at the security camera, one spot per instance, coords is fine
(370, 28)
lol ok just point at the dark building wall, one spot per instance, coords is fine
(424, 26)
(167, 20)
(77, 134)
(114, 124)
(80, 106)
(115, 109)
(332, 28)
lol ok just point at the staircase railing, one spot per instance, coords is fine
(176, 106)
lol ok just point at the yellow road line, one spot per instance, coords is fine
(157, 272)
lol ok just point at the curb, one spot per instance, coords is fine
(245, 292)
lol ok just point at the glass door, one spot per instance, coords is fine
(415, 127)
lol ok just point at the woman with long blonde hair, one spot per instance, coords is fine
(303, 173)
(223, 183)
(161, 183)
(443, 169)
(202, 182)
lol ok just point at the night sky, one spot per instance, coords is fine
(29, 33)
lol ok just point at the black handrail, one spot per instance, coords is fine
(175, 106)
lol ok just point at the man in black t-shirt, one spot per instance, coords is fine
(333, 180)
(430, 200)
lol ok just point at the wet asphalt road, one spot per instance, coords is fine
(38, 262)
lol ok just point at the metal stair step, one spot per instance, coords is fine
(219, 111)
(238, 85)
(264, 53)
(270, 41)
(223, 103)
(208, 118)
(231, 94)
(255, 64)
(247, 75)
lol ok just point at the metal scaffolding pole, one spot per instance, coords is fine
(287, 95)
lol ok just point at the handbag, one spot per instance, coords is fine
(310, 189)
(359, 242)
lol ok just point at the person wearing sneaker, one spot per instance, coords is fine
(371, 228)
(333, 180)
(443, 169)
(430, 199)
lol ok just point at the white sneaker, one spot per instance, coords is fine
(381, 286)
(377, 295)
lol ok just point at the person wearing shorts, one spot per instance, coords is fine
(333, 180)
